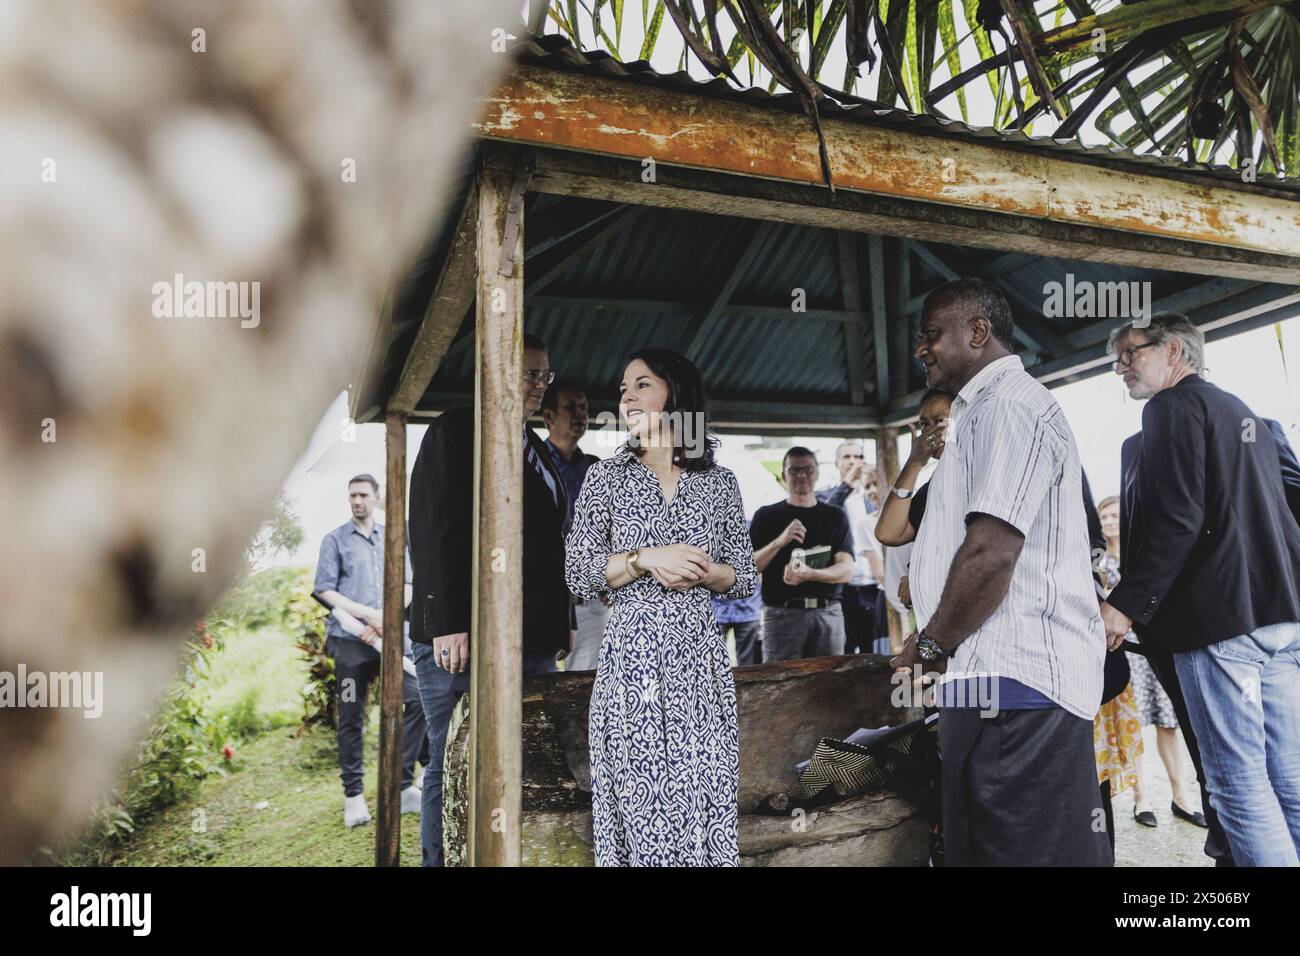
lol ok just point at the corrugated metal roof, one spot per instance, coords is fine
(670, 262)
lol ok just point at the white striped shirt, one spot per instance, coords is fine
(1010, 454)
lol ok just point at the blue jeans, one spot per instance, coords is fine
(439, 693)
(1243, 698)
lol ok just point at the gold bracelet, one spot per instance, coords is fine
(633, 568)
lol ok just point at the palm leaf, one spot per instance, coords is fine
(948, 32)
(652, 31)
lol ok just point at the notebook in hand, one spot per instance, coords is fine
(818, 557)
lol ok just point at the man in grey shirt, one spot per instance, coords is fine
(350, 581)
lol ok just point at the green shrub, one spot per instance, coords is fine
(260, 600)
(243, 721)
(306, 619)
(179, 752)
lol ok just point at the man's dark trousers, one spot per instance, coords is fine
(861, 617)
(355, 666)
(1020, 789)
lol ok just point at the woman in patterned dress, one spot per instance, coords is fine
(659, 527)
(1153, 704)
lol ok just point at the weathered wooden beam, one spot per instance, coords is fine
(618, 180)
(597, 114)
(855, 345)
(496, 650)
(446, 311)
(900, 333)
(388, 828)
(879, 319)
(746, 246)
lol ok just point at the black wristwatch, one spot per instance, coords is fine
(928, 649)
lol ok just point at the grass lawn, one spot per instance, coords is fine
(253, 692)
(301, 824)
(256, 679)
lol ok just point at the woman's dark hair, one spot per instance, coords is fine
(686, 396)
(936, 393)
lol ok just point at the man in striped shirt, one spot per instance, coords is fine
(1002, 589)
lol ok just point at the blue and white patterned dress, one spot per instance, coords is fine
(662, 730)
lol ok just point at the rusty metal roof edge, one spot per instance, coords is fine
(557, 52)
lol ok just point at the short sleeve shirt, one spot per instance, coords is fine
(352, 563)
(826, 524)
(1011, 455)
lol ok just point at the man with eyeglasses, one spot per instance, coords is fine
(1208, 559)
(862, 600)
(802, 616)
(442, 531)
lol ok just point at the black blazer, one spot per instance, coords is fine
(1209, 549)
(1290, 467)
(442, 534)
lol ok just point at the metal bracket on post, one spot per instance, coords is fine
(515, 213)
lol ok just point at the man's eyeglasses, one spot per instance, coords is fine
(541, 376)
(803, 471)
(1126, 356)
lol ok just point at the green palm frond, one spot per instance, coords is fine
(1200, 77)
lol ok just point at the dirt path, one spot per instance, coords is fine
(1174, 842)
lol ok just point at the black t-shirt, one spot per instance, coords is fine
(916, 510)
(826, 524)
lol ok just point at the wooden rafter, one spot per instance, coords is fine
(748, 243)
(452, 296)
(855, 341)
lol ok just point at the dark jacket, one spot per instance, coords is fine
(1290, 467)
(1116, 672)
(442, 532)
(836, 495)
(1208, 547)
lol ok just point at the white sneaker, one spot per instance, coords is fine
(355, 811)
(411, 799)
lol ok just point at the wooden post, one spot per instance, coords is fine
(496, 636)
(388, 830)
(887, 468)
